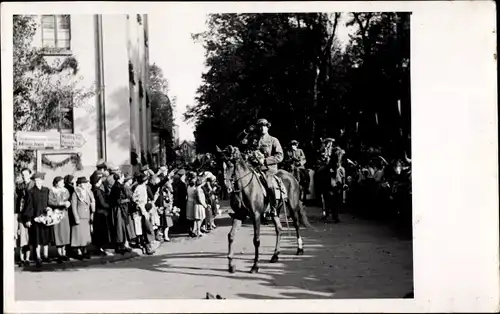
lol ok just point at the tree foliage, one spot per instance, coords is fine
(292, 70)
(162, 106)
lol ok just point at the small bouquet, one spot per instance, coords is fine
(256, 157)
(176, 211)
(50, 217)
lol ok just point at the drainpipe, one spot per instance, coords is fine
(100, 84)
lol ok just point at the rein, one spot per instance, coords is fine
(234, 179)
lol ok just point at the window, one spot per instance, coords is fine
(66, 120)
(56, 32)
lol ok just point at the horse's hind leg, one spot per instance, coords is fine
(296, 225)
(230, 238)
(279, 231)
(256, 242)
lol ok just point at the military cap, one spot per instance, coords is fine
(263, 122)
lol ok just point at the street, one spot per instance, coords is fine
(353, 259)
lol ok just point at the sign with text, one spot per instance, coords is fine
(38, 140)
(72, 140)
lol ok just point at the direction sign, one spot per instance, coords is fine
(37, 140)
(72, 140)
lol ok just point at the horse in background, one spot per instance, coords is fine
(330, 178)
(248, 199)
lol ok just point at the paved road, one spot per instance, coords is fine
(353, 259)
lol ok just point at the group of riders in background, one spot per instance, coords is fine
(363, 183)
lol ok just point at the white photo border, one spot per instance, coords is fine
(455, 165)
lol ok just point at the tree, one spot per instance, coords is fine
(42, 91)
(290, 69)
(162, 116)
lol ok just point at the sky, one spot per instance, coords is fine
(182, 60)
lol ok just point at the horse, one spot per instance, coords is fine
(248, 200)
(328, 177)
(302, 176)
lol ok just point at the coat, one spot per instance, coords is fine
(120, 202)
(101, 225)
(36, 205)
(273, 153)
(82, 209)
(296, 157)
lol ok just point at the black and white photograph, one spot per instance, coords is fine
(186, 153)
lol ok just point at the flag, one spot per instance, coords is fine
(376, 118)
(399, 107)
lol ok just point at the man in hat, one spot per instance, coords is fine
(296, 158)
(102, 170)
(270, 147)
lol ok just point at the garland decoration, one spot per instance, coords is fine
(68, 63)
(76, 159)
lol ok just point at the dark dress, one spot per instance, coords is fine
(180, 201)
(101, 229)
(119, 200)
(130, 220)
(37, 203)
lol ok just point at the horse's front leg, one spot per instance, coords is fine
(256, 242)
(230, 238)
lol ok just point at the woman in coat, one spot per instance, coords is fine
(59, 199)
(40, 235)
(119, 200)
(83, 207)
(101, 235)
(141, 200)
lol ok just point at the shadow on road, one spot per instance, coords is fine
(353, 259)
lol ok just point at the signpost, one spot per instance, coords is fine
(72, 140)
(48, 140)
(38, 140)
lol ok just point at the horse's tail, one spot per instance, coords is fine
(303, 220)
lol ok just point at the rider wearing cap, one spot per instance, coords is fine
(296, 157)
(270, 147)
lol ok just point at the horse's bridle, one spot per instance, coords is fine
(234, 180)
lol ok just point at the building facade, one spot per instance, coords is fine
(113, 55)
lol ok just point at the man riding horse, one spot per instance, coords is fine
(270, 147)
(295, 161)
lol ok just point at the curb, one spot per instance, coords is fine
(95, 260)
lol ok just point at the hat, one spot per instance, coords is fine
(181, 172)
(162, 169)
(145, 167)
(294, 142)
(141, 178)
(56, 180)
(113, 169)
(128, 178)
(101, 163)
(95, 177)
(68, 179)
(39, 175)
(263, 122)
(81, 180)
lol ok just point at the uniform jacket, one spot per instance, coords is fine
(82, 204)
(273, 153)
(296, 157)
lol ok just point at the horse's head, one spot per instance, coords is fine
(230, 158)
(325, 150)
